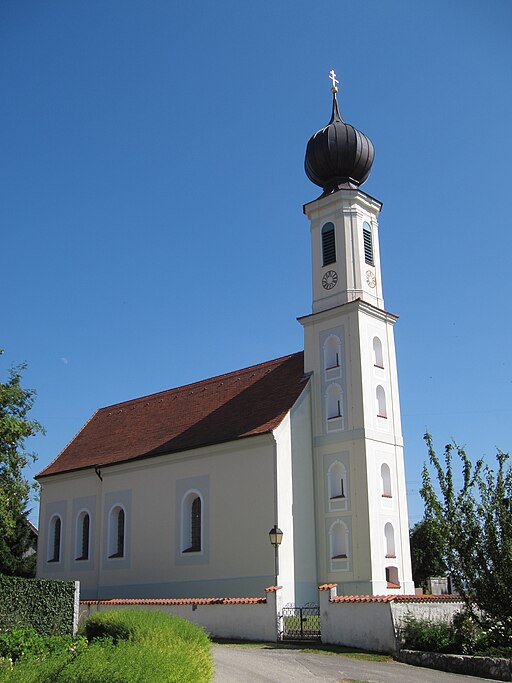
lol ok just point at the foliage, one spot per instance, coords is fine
(427, 551)
(126, 647)
(476, 523)
(45, 605)
(20, 642)
(15, 428)
(464, 636)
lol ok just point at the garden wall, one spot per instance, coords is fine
(370, 622)
(234, 618)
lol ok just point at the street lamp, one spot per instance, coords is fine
(276, 536)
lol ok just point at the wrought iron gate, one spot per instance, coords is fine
(301, 623)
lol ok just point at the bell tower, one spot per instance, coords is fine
(361, 509)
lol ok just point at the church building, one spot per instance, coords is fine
(173, 494)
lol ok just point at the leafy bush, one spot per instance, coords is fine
(428, 636)
(464, 636)
(43, 604)
(130, 646)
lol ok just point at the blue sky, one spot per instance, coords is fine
(152, 183)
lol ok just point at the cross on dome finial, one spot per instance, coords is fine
(332, 76)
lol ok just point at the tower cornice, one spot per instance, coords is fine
(326, 201)
(349, 307)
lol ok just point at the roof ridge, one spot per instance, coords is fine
(201, 382)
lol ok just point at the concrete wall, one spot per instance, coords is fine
(237, 621)
(425, 609)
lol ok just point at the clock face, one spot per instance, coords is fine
(329, 279)
(371, 279)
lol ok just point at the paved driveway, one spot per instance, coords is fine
(255, 665)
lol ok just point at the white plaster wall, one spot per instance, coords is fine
(284, 506)
(302, 483)
(347, 209)
(367, 625)
(246, 622)
(240, 512)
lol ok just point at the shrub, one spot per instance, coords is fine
(43, 604)
(428, 636)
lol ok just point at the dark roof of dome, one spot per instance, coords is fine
(338, 156)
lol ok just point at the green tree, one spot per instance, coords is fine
(427, 550)
(15, 428)
(476, 525)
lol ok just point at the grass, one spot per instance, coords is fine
(315, 648)
(125, 646)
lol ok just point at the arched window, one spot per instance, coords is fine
(82, 536)
(378, 359)
(54, 539)
(338, 536)
(392, 577)
(116, 532)
(328, 244)
(389, 534)
(385, 479)
(368, 243)
(334, 401)
(332, 352)
(381, 402)
(192, 523)
(337, 480)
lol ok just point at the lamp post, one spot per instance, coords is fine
(276, 536)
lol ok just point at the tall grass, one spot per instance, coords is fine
(125, 646)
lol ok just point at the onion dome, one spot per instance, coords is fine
(338, 156)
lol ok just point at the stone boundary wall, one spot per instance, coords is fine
(234, 618)
(485, 667)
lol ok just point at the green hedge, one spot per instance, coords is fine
(45, 605)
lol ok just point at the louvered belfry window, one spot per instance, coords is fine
(328, 244)
(368, 244)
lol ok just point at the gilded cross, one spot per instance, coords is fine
(332, 76)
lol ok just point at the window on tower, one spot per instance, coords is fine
(332, 352)
(334, 401)
(381, 402)
(328, 244)
(368, 244)
(378, 359)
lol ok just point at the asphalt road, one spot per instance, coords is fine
(258, 665)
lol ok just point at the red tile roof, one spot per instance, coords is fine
(225, 408)
(176, 601)
(396, 598)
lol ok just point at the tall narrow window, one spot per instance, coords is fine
(389, 534)
(54, 539)
(368, 244)
(337, 477)
(378, 359)
(328, 244)
(385, 478)
(192, 523)
(82, 536)
(392, 577)
(334, 400)
(332, 352)
(338, 535)
(117, 532)
(381, 402)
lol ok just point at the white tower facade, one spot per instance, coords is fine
(361, 510)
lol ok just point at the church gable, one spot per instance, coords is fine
(225, 408)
